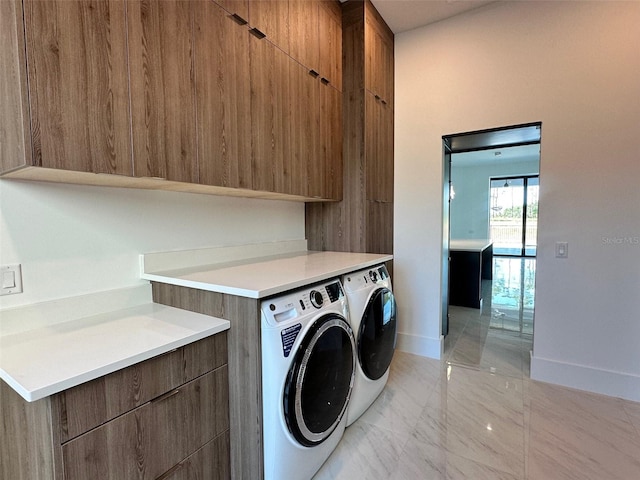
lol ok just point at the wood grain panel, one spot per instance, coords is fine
(363, 221)
(304, 135)
(238, 7)
(222, 97)
(211, 462)
(150, 440)
(98, 401)
(78, 85)
(245, 368)
(245, 387)
(15, 142)
(303, 25)
(27, 447)
(204, 355)
(379, 235)
(271, 156)
(162, 89)
(330, 34)
(271, 17)
(330, 148)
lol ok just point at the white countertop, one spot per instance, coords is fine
(471, 245)
(41, 361)
(263, 277)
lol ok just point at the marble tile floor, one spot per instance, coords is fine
(476, 415)
(439, 420)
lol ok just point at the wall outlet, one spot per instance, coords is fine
(11, 278)
(562, 249)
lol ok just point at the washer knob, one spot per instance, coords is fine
(316, 298)
(373, 275)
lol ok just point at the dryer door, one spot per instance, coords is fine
(377, 334)
(320, 380)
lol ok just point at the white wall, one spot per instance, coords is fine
(574, 66)
(470, 207)
(73, 240)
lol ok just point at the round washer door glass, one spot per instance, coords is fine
(320, 380)
(377, 334)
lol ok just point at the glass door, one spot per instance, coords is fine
(513, 217)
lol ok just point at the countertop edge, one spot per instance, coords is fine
(31, 395)
(298, 281)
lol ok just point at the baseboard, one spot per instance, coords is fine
(419, 345)
(581, 377)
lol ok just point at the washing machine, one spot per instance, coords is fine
(308, 371)
(372, 310)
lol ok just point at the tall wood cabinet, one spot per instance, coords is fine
(363, 221)
(214, 97)
(167, 417)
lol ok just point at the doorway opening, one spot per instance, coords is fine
(490, 213)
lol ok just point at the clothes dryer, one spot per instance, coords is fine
(372, 314)
(308, 368)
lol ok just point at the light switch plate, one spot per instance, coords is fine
(11, 279)
(562, 249)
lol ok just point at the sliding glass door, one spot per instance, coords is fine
(513, 217)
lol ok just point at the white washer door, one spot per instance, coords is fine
(377, 334)
(319, 382)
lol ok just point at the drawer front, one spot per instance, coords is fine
(211, 462)
(205, 355)
(96, 402)
(150, 440)
(93, 403)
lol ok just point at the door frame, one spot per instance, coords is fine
(488, 139)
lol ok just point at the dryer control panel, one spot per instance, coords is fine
(303, 302)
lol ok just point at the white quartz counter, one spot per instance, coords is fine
(48, 358)
(266, 276)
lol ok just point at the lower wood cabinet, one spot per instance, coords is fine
(167, 417)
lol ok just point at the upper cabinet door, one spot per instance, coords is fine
(378, 57)
(303, 21)
(271, 18)
(270, 117)
(162, 89)
(78, 85)
(238, 8)
(330, 44)
(223, 98)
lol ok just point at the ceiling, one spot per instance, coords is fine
(403, 15)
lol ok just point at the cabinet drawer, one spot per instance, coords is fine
(205, 355)
(211, 462)
(96, 402)
(150, 440)
(93, 403)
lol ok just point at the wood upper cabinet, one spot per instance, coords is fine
(270, 117)
(238, 8)
(163, 108)
(307, 166)
(174, 90)
(330, 35)
(330, 148)
(78, 85)
(378, 46)
(271, 17)
(304, 31)
(222, 73)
